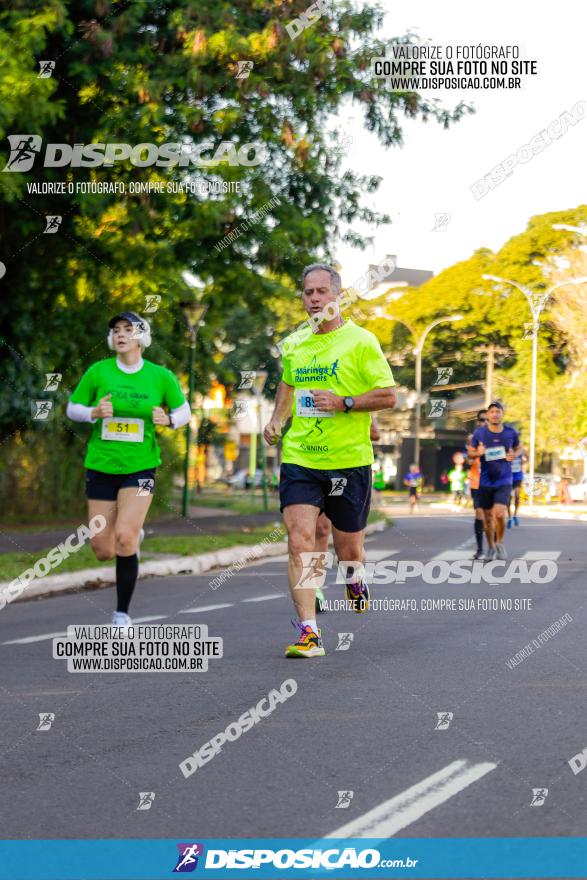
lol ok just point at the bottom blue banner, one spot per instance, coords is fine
(556, 857)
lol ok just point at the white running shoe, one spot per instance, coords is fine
(491, 554)
(501, 551)
(122, 620)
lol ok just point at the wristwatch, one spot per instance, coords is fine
(171, 422)
(348, 404)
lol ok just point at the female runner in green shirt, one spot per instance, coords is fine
(124, 398)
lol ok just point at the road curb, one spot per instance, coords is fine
(198, 564)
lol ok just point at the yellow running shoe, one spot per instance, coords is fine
(308, 644)
(358, 596)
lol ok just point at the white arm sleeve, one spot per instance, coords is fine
(77, 412)
(181, 415)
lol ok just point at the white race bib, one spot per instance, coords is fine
(306, 405)
(495, 453)
(127, 430)
(516, 465)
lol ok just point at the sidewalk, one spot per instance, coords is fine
(432, 507)
(238, 556)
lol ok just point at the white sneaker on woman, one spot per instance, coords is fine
(122, 620)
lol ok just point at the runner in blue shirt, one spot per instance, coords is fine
(517, 477)
(496, 445)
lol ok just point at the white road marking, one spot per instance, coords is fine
(378, 555)
(147, 619)
(402, 810)
(205, 608)
(265, 598)
(29, 639)
(529, 555)
(282, 558)
(541, 554)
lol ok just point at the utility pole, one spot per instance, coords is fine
(490, 350)
(489, 373)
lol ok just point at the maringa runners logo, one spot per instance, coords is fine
(315, 372)
(24, 149)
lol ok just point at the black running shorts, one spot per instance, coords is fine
(105, 487)
(487, 496)
(343, 494)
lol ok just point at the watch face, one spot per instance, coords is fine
(348, 402)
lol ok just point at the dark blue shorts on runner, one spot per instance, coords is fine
(105, 487)
(343, 494)
(487, 496)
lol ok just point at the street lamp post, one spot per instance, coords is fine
(537, 302)
(418, 354)
(194, 314)
(258, 385)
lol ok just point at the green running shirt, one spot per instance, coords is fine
(133, 396)
(347, 361)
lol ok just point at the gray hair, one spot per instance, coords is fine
(335, 279)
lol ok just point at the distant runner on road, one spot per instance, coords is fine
(332, 379)
(517, 477)
(497, 445)
(124, 399)
(474, 479)
(456, 478)
(413, 480)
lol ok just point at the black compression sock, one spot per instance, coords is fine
(479, 534)
(127, 569)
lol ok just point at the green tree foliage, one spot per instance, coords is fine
(151, 72)
(538, 258)
(167, 72)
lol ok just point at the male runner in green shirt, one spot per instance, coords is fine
(334, 376)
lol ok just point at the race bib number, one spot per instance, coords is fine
(306, 405)
(516, 466)
(125, 430)
(495, 454)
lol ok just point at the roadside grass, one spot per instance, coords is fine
(13, 564)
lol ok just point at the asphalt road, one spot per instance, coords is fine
(362, 720)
